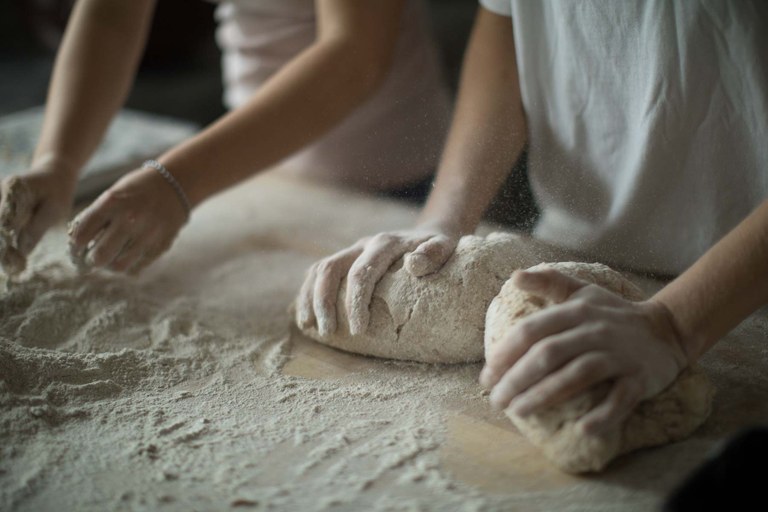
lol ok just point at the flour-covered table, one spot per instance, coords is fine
(187, 389)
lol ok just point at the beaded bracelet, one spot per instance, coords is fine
(165, 173)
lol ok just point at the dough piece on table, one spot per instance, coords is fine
(669, 416)
(17, 203)
(437, 318)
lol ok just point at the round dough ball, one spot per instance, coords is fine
(438, 318)
(669, 416)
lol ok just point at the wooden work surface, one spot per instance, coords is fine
(464, 456)
(483, 449)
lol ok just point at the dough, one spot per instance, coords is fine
(669, 416)
(17, 209)
(437, 318)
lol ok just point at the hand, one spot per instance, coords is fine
(590, 336)
(364, 264)
(128, 226)
(31, 203)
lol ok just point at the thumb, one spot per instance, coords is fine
(430, 256)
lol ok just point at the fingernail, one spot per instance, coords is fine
(323, 325)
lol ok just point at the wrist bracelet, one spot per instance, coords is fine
(165, 173)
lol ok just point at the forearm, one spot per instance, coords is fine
(305, 99)
(488, 131)
(92, 75)
(723, 287)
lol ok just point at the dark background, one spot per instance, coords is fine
(180, 72)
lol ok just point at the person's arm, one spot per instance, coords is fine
(722, 288)
(594, 336)
(487, 135)
(93, 72)
(310, 95)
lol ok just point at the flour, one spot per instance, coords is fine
(191, 392)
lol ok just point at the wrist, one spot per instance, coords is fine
(666, 327)
(170, 181)
(56, 163)
(447, 225)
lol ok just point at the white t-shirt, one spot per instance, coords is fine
(647, 122)
(391, 140)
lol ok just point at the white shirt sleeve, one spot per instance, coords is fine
(502, 7)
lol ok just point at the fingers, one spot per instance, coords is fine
(546, 357)
(547, 283)
(379, 254)
(129, 257)
(305, 314)
(16, 204)
(430, 256)
(328, 276)
(614, 409)
(108, 246)
(85, 229)
(528, 332)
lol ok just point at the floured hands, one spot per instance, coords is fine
(128, 226)
(364, 264)
(590, 336)
(31, 204)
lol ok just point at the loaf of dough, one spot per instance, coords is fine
(437, 318)
(669, 416)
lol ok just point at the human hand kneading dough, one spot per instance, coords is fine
(128, 226)
(364, 264)
(590, 336)
(30, 204)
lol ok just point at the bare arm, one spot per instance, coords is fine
(302, 101)
(722, 288)
(488, 131)
(93, 73)
(140, 215)
(487, 135)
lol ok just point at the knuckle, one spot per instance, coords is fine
(382, 239)
(593, 366)
(602, 330)
(521, 332)
(581, 307)
(548, 353)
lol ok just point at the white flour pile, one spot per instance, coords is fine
(173, 392)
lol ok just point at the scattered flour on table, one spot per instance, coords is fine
(131, 395)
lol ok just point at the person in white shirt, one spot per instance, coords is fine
(646, 126)
(347, 92)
